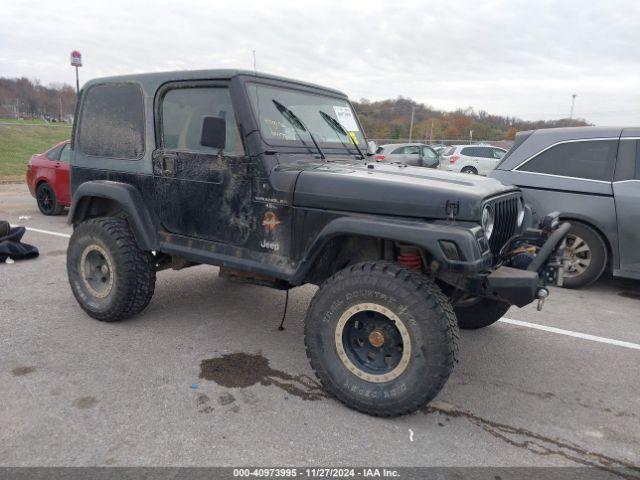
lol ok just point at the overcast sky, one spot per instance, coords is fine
(520, 58)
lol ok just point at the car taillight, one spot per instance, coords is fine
(379, 158)
(454, 158)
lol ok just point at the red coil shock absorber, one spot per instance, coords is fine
(410, 259)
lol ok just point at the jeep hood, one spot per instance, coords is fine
(392, 189)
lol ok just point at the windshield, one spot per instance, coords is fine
(312, 110)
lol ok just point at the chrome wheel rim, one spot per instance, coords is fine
(372, 342)
(96, 270)
(577, 255)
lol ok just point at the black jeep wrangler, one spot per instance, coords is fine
(270, 179)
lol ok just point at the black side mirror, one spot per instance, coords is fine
(214, 132)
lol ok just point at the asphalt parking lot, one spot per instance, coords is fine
(203, 377)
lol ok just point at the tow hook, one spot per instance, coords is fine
(541, 295)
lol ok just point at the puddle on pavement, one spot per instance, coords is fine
(20, 371)
(241, 370)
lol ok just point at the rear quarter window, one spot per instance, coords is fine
(449, 151)
(470, 152)
(112, 122)
(591, 160)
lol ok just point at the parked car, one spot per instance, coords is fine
(416, 154)
(48, 178)
(264, 177)
(439, 147)
(592, 176)
(475, 159)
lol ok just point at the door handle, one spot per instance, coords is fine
(169, 164)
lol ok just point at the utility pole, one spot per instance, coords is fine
(573, 102)
(60, 101)
(413, 112)
(470, 137)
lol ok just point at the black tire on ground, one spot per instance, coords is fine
(400, 319)
(110, 276)
(470, 170)
(47, 201)
(480, 314)
(597, 254)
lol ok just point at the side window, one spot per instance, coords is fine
(53, 154)
(412, 150)
(183, 110)
(398, 151)
(112, 122)
(591, 160)
(470, 152)
(65, 154)
(497, 153)
(428, 153)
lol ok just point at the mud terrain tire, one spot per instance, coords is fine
(381, 338)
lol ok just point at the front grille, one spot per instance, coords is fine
(505, 210)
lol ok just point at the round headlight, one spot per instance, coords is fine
(487, 221)
(520, 217)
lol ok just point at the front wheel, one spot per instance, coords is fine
(479, 313)
(381, 338)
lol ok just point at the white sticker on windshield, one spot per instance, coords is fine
(346, 118)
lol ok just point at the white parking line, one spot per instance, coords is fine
(510, 321)
(569, 333)
(55, 234)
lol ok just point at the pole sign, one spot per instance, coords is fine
(76, 59)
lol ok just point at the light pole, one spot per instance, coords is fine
(413, 112)
(573, 102)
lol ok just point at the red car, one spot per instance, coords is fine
(48, 178)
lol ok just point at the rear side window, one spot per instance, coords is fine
(591, 160)
(54, 154)
(398, 151)
(470, 152)
(628, 165)
(112, 122)
(65, 154)
(449, 151)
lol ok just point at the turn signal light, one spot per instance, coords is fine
(454, 158)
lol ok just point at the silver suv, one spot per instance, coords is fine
(591, 175)
(416, 154)
(475, 159)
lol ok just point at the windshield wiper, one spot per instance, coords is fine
(339, 129)
(293, 119)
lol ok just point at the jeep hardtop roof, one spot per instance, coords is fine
(151, 81)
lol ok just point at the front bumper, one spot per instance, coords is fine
(521, 287)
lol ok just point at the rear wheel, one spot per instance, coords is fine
(47, 200)
(479, 313)
(110, 276)
(469, 170)
(381, 338)
(586, 256)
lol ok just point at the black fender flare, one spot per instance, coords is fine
(128, 198)
(424, 234)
